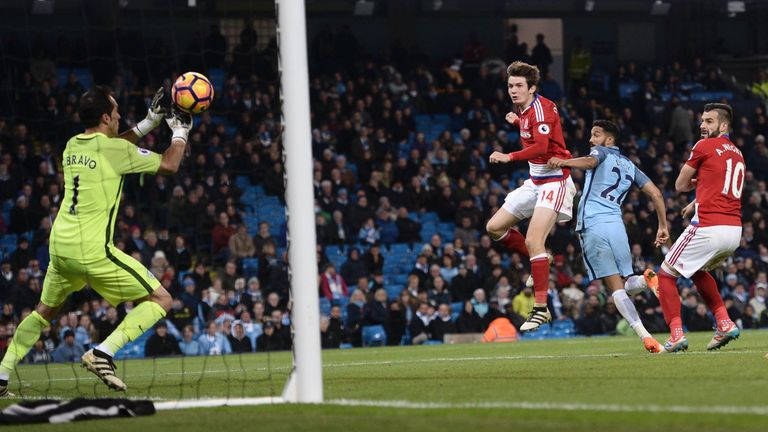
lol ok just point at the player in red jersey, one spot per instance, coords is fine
(716, 170)
(545, 198)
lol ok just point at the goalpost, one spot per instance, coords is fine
(245, 378)
(305, 383)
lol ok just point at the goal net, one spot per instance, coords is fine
(227, 296)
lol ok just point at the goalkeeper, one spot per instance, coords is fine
(95, 164)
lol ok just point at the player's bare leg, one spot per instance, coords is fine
(541, 224)
(627, 309)
(99, 360)
(500, 229)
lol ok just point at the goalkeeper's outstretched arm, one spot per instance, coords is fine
(180, 124)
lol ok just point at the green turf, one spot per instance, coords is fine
(472, 387)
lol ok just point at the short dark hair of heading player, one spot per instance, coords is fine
(93, 104)
(529, 72)
(724, 112)
(608, 127)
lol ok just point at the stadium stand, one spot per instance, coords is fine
(400, 148)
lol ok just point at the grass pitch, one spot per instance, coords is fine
(581, 384)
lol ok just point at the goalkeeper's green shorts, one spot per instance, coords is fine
(117, 277)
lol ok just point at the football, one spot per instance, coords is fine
(192, 92)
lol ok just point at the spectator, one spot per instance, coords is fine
(238, 340)
(355, 308)
(369, 233)
(241, 244)
(220, 235)
(420, 323)
(68, 351)
(522, 303)
(188, 345)
(38, 354)
(373, 260)
(541, 56)
(213, 342)
(469, 321)
(330, 337)
(442, 324)
(161, 343)
(332, 285)
(377, 312)
(353, 269)
(269, 341)
(699, 321)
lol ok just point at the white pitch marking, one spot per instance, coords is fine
(562, 406)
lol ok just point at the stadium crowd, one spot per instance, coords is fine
(400, 141)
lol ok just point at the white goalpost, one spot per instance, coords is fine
(306, 381)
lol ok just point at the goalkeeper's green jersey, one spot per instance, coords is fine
(94, 168)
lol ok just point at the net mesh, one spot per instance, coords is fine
(171, 225)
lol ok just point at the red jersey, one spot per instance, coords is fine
(720, 173)
(542, 138)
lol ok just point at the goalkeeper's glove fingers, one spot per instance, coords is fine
(179, 122)
(154, 115)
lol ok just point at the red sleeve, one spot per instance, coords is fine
(541, 134)
(326, 289)
(698, 154)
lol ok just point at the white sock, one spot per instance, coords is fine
(635, 285)
(101, 347)
(627, 310)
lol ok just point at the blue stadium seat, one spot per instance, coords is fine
(400, 249)
(393, 291)
(429, 217)
(628, 90)
(218, 77)
(374, 336)
(706, 96)
(457, 307)
(325, 306)
(250, 267)
(402, 279)
(182, 275)
(432, 342)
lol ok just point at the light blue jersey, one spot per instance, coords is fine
(600, 225)
(606, 186)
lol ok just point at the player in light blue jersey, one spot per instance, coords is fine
(602, 233)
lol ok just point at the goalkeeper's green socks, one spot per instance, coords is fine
(27, 333)
(139, 320)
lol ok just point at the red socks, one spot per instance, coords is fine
(515, 242)
(707, 288)
(670, 303)
(540, 273)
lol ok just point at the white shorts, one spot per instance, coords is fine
(557, 196)
(702, 248)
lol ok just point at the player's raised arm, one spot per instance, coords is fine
(152, 120)
(180, 124)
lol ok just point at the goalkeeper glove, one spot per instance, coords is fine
(154, 116)
(179, 122)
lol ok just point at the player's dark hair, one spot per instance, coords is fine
(724, 111)
(608, 126)
(93, 104)
(529, 72)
